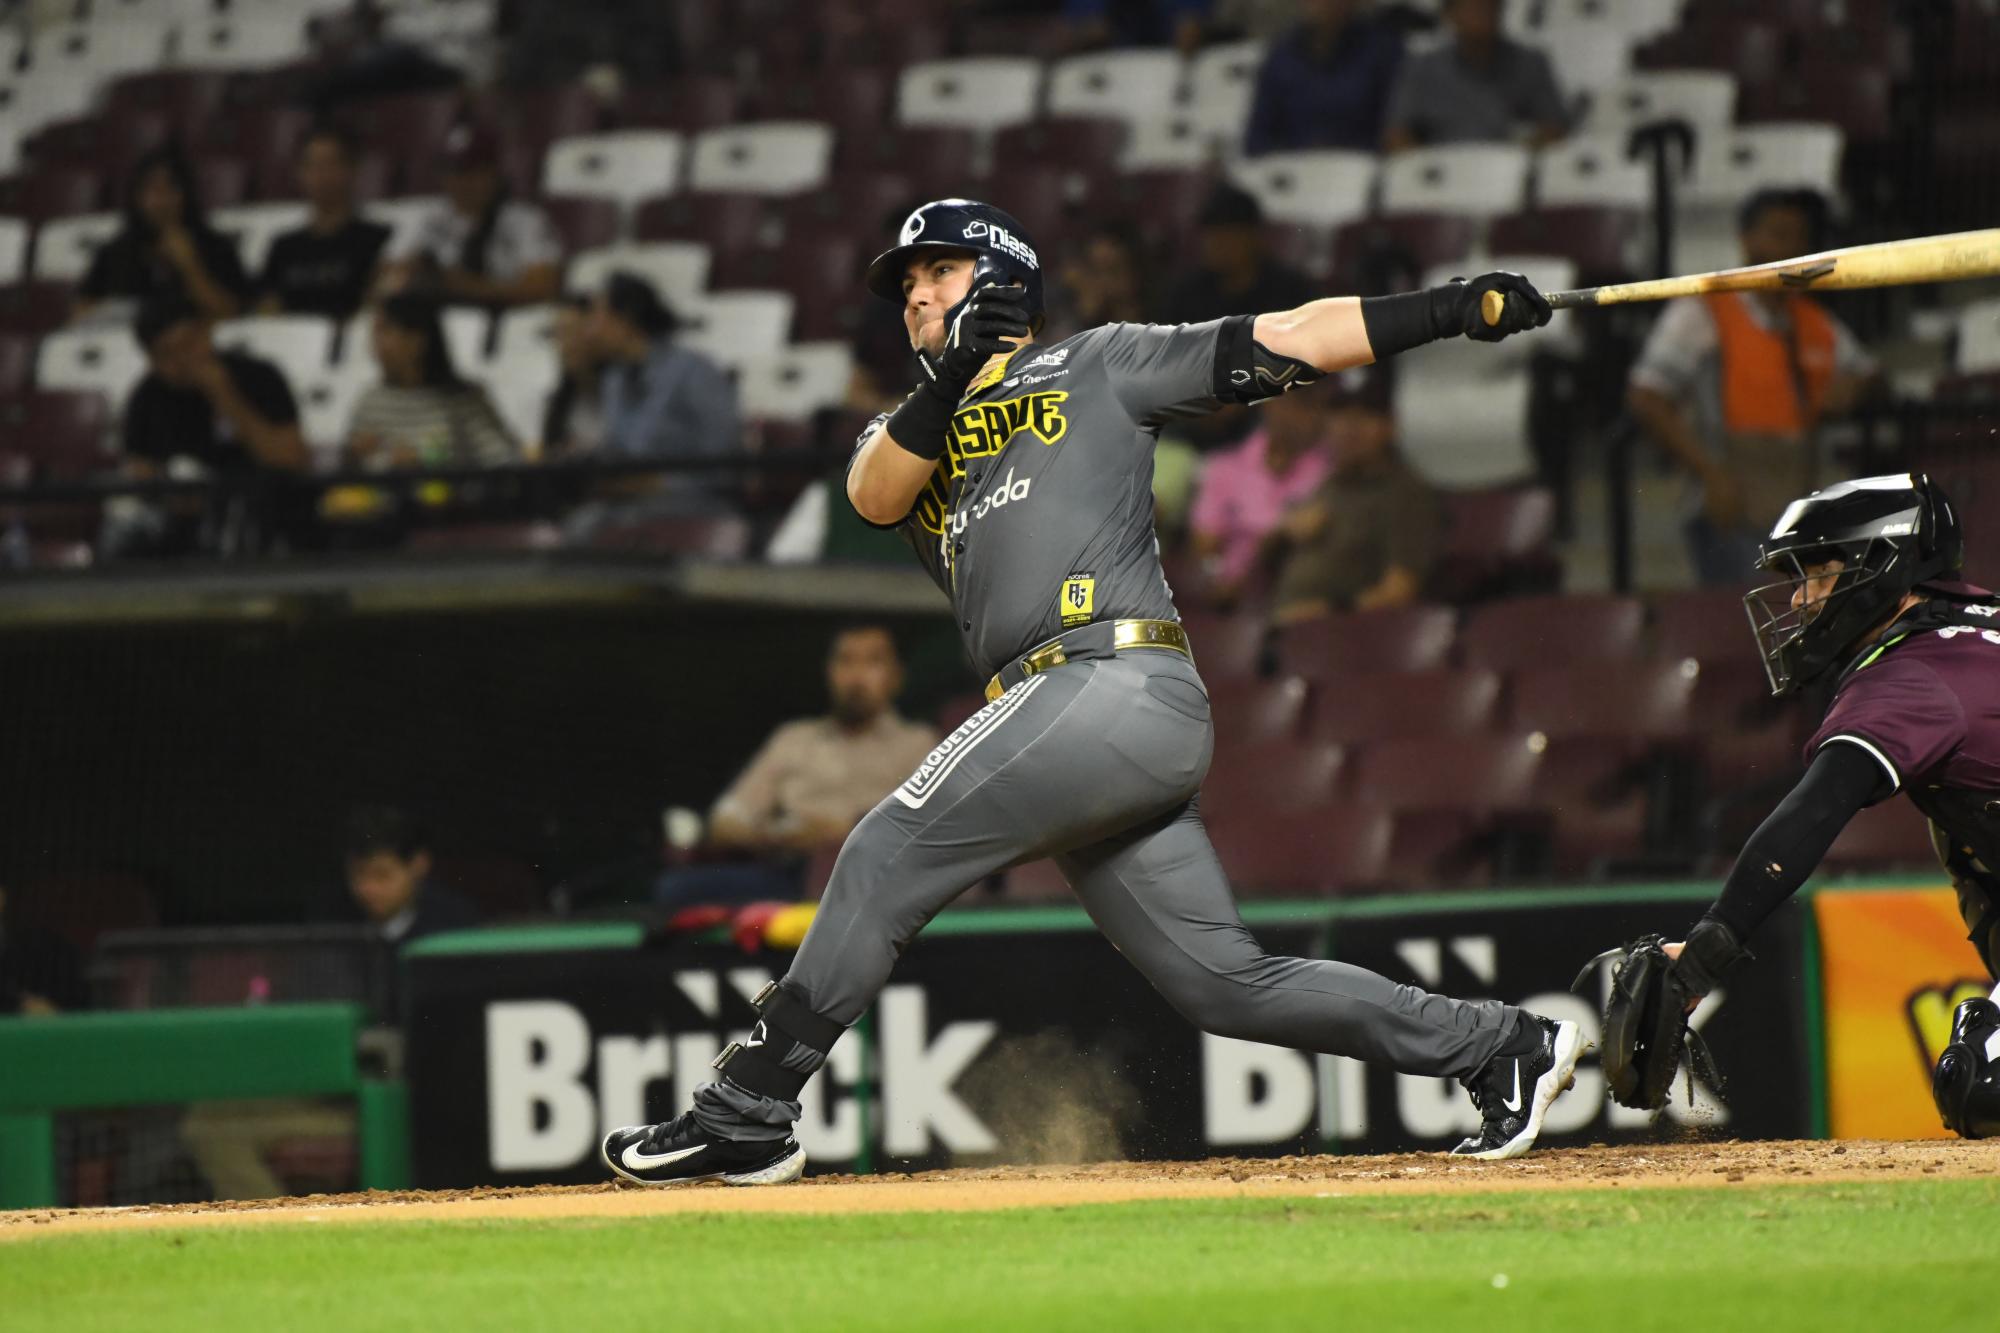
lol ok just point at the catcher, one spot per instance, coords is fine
(1866, 586)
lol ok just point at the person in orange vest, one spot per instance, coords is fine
(1733, 385)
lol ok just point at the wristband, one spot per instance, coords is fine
(921, 425)
(1410, 319)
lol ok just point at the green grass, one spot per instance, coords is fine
(1876, 1256)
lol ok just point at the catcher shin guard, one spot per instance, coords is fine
(786, 1048)
(1966, 1082)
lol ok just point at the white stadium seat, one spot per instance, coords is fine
(1978, 338)
(976, 93)
(1634, 19)
(246, 40)
(1131, 85)
(520, 389)
(735, 328)
(30, 100)
(1586, 59)
(626, 166)
(1591, 171)
(466, 330)
(255, 226)
(777, 157)
(1729, 168)
(10, 146)
(102, 358)
(526, 332)
(678, 270)
(326, 399)
(1482, 179)
(1176, 142)
(1222, 84)
(797, 382)
(94, 52)
(1462, 422)
(65, 246)
(1704, 98)
(13, 250)
(404, 218)
(299, 345)
(1320, 188)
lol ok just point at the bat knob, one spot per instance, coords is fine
(1492, 305)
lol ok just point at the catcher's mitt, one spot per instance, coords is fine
(1646, 1032)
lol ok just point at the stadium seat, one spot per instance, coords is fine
(468, 334)
(1227, 647)
(95, 51)
(1408, 638)
(1133, 85)
(1281, 776)
(735, 328)
(1462, 419)
(677, 269)
(1586, 59)
(1250, 711)
(625, 166)
(1341, 848)
(796, 383)
(714, 538)
(52, 192)
(777, 157)
(36, 98)
(188, 99)
(1168, 200)
(17, 362)
(1482, 179)
(936, 159)
(1857, 98)
(34, 307)
(1475, 773)
(1704, 99)
(1592, 791)
(1591, 170)
(524, 536)
(855, 101)
(525, 332)
(244, 41)
(65, 247)
(91, 359)
(1729, 168)
(62, 435)
(1222, 83)
(520, 389)
(689, 105)
(1383, 705)
(972, 93)
(14, 233)
(1076, 143)
(722, 222)
(1378, 255)
(1602, 243)
(583, 224)
(1889, 836)
(326, 399)
(1639, 699)
(1706, 624)
(1529, 631)
(403, 217)
(1497, 538)
(1978, 349)
(299, 345)
(1320, 187)
(1168, 143)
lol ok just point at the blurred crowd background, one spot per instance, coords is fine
(308, 284)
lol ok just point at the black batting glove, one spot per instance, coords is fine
(1458, 307)
(978, 333)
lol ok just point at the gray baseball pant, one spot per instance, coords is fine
(1097, 764)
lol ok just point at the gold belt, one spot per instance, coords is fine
(1166, 634)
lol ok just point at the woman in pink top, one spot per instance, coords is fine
(1246, 491)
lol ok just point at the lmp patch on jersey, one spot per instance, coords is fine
(1079, 594)
(951, 751)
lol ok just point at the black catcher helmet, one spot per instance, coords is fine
(1889, 533)
(1006, 255)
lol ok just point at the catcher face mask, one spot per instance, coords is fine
(1804, 620)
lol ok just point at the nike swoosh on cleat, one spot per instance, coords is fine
(1513, 1104)
(645, 1161)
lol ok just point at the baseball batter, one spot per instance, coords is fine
(1022, 475)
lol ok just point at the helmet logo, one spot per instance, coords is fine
(913, 227)
(975, 231)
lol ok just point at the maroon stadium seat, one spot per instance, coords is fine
(1227, 647)
(1438, 849)
(1647, 699)
(17, 362)
(188, 99)
(1734, 761)
(1888, 836)
(63, 433)
(1707, 624)
(223, 182)
(268, 141)
(1407, 638)
(1971, 477)
(1496, 541)
(935, 159)
(1475, 773)
(1597, 240)
(721, 538)
(1527, 631)
(857, 102)
(867, 206)
(689, 104)
(583, 223)
(1072, 143)
(1165, 203)
(1382, 705)
(1856, 97)
(1249, 711)
(487, 537)
(725, 223)
(1276, 775)
(52, 192)
(1384, 254)
(1307, 249)
(819, 270)
(1343, 846)
(35, 307)
(528, 120)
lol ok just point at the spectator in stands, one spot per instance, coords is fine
(166, 246)
(809, 785)
(328, 266)
(1733, 386)
(1479, 87)
(1369, 538)
(571, 422)
(1237, 274)
(1246, 491)
(388, 877)
(1102, 285)
(1182, 24)
(481, 246)
(1325, 82)
(423, 413)
(197, 412)
(40, 971)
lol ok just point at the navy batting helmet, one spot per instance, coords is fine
(1005, 254)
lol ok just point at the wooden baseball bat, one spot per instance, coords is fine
(1964, 254)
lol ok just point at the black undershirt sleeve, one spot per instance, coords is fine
(1788, 845)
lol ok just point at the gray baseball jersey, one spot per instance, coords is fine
(1040, 514)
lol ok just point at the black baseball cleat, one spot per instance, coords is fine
(1514, 1092)
(680, 1151)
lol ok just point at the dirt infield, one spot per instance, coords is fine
(1642, 1166)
